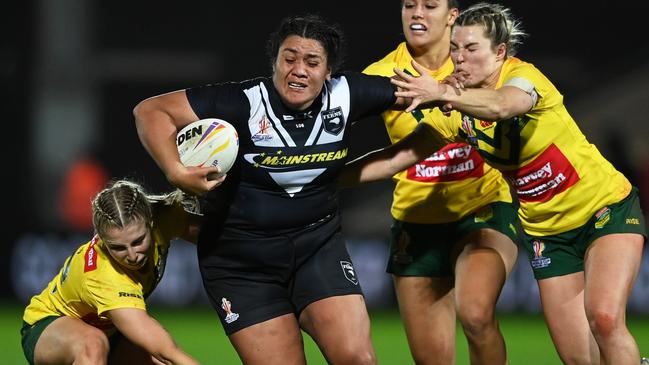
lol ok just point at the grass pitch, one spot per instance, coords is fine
(198, 331)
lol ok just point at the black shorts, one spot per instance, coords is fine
(251, 277)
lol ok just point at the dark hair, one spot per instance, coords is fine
(314, 27)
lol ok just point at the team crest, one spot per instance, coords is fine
(348, 270)
(602, 217)
(229, 315)
(333, 120)
(539, 261)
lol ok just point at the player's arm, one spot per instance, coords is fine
(158, 120)
(142, 330)
(384, 163)
(488, 104)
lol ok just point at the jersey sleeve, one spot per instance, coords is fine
(107, 291)
(529, 79)
(224, 101)
(369, 94)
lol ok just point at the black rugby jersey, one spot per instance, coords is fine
(288, 161)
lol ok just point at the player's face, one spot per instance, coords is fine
(475, 57)
(300, 71)
(425, 22)
(129, 246)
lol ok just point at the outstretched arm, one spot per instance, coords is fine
(158, 120)
(489, 104)
(144, 331)
(384, 163)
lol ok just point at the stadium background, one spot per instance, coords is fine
(72, 70)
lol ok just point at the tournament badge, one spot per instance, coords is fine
(401, 256)
(467, 126)
(602, 217)
(539, 261)
(348, 270)
(333, 120)
(227, 307)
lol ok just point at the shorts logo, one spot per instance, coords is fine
(635, 221)
(602, 217)
(333, 120)
(539, 262)
(402, 256)
(229, 315)
(483, 215)
(348, 270)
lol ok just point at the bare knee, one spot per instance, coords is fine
(93, 349)
(476, 321)
(354, 356)
(604, 323)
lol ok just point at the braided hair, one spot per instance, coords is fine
(498, 22)
(119, 205)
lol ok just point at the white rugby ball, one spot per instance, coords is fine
(208, 142)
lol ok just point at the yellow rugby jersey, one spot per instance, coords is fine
(560, 179)
(451, 183)
(91, 282)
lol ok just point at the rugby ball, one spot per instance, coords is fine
(208, 142)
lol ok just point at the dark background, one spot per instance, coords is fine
(594, 52)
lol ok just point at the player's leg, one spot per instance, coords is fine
(123, 351)
(420, 262)
(427, 310)
(275, 341)
(340, 326)
(562, 298)
(69, 340)
(486, 259)
(612, 263)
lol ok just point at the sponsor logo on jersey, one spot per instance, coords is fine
(90, 257)
(456, 161)
(263, 133)
(348, 270)
(333, 120)
(548, 175)
(485, 124)
(227, 307)
(602, 217)
(128, 295)
(539, 261)
(279, 160)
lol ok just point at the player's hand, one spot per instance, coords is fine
(196, 180)
(419, 89)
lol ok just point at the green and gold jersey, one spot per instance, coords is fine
(560, 179)
(451, 183)
(91, 283)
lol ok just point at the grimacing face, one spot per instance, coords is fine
(475, 57)
(424, 22)
(129, 246)
(300, 71)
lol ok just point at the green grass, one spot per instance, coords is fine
(198, 332)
